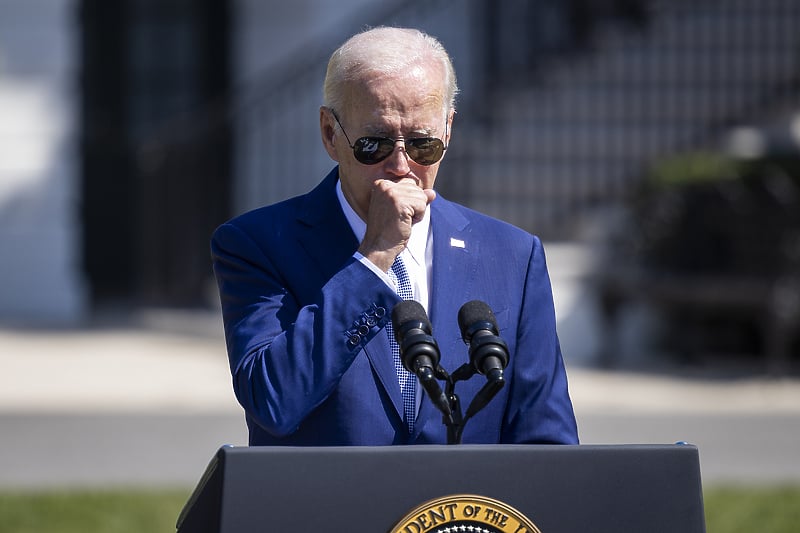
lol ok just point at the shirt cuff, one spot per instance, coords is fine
(378, 272)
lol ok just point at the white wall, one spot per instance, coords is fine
(40, 276)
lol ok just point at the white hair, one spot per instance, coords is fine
(386, 51)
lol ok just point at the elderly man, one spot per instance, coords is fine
(308, 285)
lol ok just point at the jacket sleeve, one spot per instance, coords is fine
(540, 409)
(291, 335)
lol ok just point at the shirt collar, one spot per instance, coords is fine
(419, 231)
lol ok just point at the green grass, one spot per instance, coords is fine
(741, 509)
(728, 510)
(113, 511)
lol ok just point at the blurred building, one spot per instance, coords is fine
(130, 129)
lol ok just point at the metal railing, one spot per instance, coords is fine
(580, 135)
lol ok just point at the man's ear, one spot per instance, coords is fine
(450, 116)
(327, 129)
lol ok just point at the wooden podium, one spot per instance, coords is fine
(560, 489)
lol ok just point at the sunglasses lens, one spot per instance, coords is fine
(372, 150)
(426, 151)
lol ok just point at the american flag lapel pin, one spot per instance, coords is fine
(456, 243)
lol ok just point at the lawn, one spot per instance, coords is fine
(728, 510)
(740, 510)
(113, 511)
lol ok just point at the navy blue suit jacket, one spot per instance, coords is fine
(311, 362)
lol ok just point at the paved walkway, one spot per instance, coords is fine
(149, 402)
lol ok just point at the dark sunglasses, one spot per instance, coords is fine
(372, 150)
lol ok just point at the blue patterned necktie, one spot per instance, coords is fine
(399, 275)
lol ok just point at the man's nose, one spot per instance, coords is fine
(397, 162)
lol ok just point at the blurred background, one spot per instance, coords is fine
(653, 145)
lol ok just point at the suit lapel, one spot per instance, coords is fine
(454, 263)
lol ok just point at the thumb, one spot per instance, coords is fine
(431, 194)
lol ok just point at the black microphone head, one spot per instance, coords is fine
(408, 310)
(409, 313)
(412, 331)
(475, 315)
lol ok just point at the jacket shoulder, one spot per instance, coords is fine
(476, 222)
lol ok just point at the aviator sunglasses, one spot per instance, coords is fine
(372, 150)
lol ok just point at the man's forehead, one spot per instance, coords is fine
(425, 117)
(418, 111)
(425, 79)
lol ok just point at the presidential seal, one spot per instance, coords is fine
(465, 513)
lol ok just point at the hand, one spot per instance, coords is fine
(395, 206)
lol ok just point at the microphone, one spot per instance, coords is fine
(488, 353)
(419, 351)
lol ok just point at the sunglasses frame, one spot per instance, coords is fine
(407, 143)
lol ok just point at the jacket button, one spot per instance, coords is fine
(353, 340)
